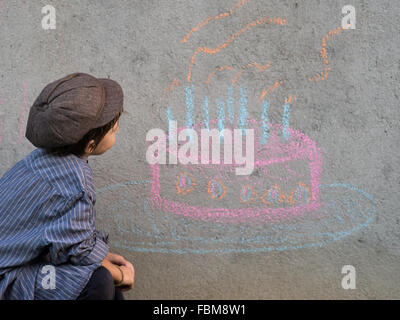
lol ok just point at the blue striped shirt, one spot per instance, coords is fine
(47, 217)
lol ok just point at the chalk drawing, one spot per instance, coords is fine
(169, 115)
(299, 148)
(323, 75)
(184, 183)
(270, 89)
(218, 69)
(264, 122)
(216, 189)
(243, 109)
(237, 34)
(209, 19)
(230, 106)
(248, 194)
(285, 122)
(221, 115)
(202, 209)
(189, 106)
(173, 84)
(346, 210)
(206, 114)
(259, 67)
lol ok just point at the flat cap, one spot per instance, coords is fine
(70, 107)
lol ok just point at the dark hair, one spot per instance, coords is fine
(96, 134)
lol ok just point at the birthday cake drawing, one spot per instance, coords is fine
(201, 189)
(208, 208)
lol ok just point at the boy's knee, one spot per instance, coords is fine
(101, 285)
(104, 276)
(106, 288)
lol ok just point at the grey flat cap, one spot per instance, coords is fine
(70, 107)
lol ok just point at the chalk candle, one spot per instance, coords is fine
(243, 109)
(221, 116)
(230, 106)
(189, 107)
(285, 119)
(264, 122)
(172, 137)
(206, 114)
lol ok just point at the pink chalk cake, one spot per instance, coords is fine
(284, 183)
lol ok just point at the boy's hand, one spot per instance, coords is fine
(119, 260)
(126, 268)
(116, 259)
(129, 278)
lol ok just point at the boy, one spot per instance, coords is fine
(47, 214)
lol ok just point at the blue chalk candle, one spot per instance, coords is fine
(169, 114)
(264, 122)
(243, 109)
(189, 106)
(206, 115)
(230, 106)
(285, 122)
(221, 115)
(172, 137)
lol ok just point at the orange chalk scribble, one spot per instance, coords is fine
(268, 195)
(323, 75)
(184, 183)
(269, 89)
(290, 199)
(206, 21)
(218, 69)
(260, 67)
(175, 83)
(216, 195)
(208, 50)
(236, 77)
(246, 189)
(320, 76)
(289, 100)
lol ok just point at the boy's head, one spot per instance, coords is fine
(77, 114)
(95, 142)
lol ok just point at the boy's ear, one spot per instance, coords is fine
(90, 146)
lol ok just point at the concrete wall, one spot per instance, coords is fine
(184, 251)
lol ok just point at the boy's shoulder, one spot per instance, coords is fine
(68, 175)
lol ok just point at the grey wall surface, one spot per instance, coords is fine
(352, 115)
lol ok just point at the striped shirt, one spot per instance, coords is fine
(47, 217)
